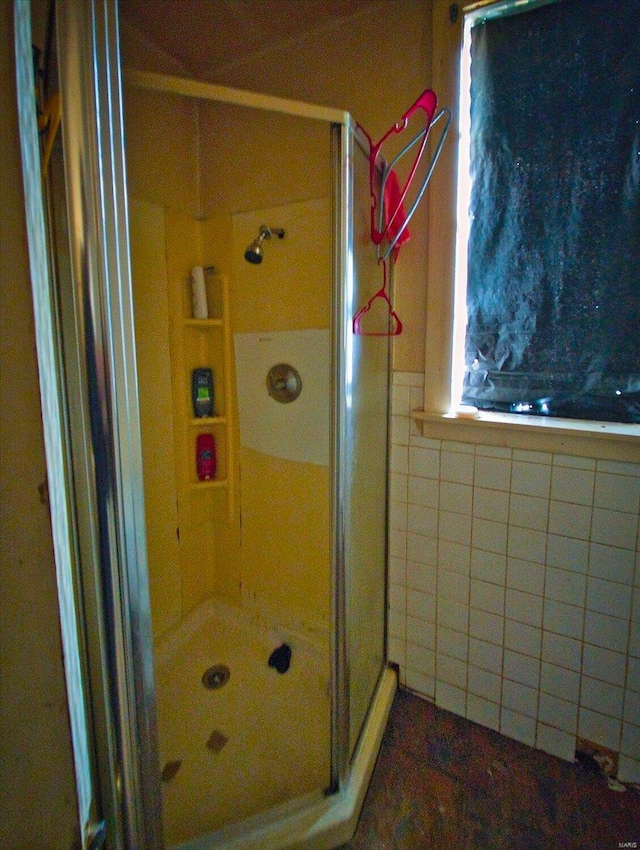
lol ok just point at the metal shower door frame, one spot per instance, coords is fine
(86, 359)
(342, 260)
(93, 135)
(59, 477)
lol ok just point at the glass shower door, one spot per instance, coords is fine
(106, 293)
(368, 360)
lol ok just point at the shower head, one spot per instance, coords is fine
(253, 254)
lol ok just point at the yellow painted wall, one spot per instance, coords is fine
(217, 239)
(374, 67)
(253, 159)
(291, 288)
(162, 137)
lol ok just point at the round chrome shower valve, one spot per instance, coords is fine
(284, 383)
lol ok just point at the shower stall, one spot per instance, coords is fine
(232, 643)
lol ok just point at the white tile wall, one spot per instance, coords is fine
(514, 586)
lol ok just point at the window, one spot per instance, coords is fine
(549, 210)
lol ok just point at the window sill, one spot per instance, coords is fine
(608, 440)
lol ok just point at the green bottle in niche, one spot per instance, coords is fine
(202, 392)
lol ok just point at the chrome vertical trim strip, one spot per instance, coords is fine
(131, 517)
(53, 417)
(97, 212)
(342, 193)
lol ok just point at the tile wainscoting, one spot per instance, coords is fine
(514, 587)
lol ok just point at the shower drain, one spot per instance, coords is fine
(215, 677)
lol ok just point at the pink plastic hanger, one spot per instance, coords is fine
(389, 206)
(391, 315)
(427, 102)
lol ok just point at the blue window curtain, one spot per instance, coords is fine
(553, 289)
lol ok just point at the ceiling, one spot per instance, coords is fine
(206, 35)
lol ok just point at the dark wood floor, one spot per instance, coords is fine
(444, 783)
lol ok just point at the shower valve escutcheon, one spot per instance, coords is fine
(284, 383)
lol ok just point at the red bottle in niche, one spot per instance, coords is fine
(206, 457)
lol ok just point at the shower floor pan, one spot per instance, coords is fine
(236, 737)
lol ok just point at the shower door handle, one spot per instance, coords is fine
(95, 835)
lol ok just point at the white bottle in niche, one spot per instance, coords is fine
(199, 306)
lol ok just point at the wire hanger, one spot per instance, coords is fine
(422, 135)
(382, 229)
(426, 103)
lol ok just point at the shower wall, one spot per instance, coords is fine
(147, 230)
(198, 198)
(281, 313)
(191, 541)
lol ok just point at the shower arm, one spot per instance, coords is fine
(268, 232)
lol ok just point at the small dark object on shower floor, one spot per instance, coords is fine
(170, 769)
(216, 741)
(280, 658)
(216, 677)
